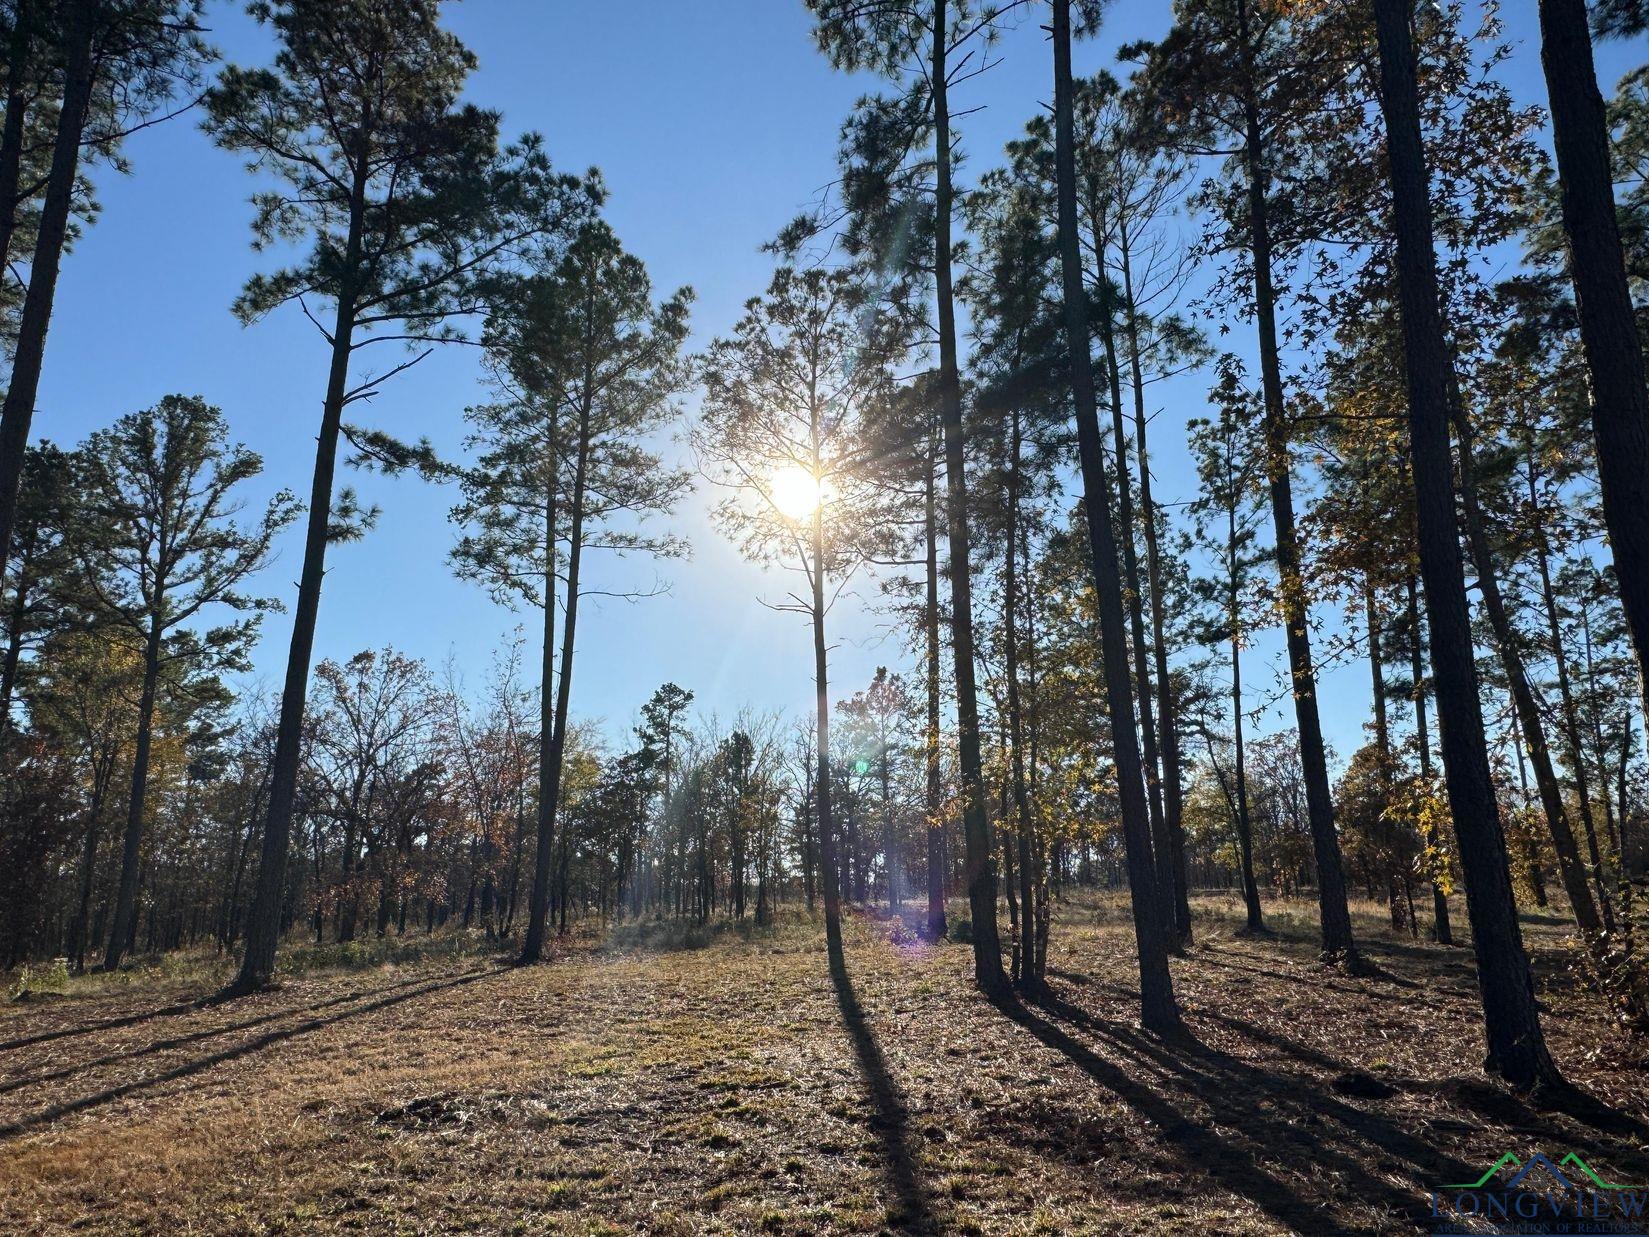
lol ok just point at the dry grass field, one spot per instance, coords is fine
(652, 1083)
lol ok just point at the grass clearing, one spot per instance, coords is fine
(656, 1082)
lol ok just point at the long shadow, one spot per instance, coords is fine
(179, 1041)
(69, 1107)
(1198, 1064)
(1547, 920)
(1223, 1078)
(1625, 1135)
(1581, 1105)
(1288, 1117)
(1303, 1053)
(107, 1024)
(1453, 988)
(891, 1122)
(1455, 957)
(1437, 998)
(1287, 1045)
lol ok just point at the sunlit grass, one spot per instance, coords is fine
(702, 1078)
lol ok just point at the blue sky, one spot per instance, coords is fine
(713, 124)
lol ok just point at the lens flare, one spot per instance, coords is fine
(795, 492)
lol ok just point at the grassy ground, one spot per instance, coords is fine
(725, 1084)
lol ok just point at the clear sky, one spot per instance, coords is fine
(714, 122)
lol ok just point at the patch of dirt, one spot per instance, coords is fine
(1361, 1086)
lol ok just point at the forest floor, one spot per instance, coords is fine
(728, 1084)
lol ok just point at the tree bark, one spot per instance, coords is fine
(28, 357)
(79, 940)
(1516, 1045)
(1331, 890)
(821, 687)
(889, 846)
(18, 56)
(264, 919)
(1382, 744)
(14, 638)
(1158, 1009)
(1570, 866)
(554, 747)
(981, 866)
(937, 926)
(1377, 673)
(132, 847)
(1026, 976)
(1441, 926)
(1600, 748)
(1570, 716)
(1173, 800)
(1010, 884)
(1041, 922)
(1608, 326)
(1162, 852)
(1245, 825)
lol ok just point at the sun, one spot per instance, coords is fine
(794, 491)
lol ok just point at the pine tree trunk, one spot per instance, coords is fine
(1441, 926)
(1158, 1009)
(981, 866)
(1377, 673)
(889, 846)
(1608, 326)
(1516, 1045)
(555, 745)
(1331, 889)
(1173, 800)
(1010, 886)
(1397, 880)
(18, 59)
(132, 845)
(935, 831)
(1026, 970)
(29, 351)
(821, 690)
(1162, 852)
(1599, 748)
(1245, 825)
(264, 919)
(1526, 840)
(79, 941)
(1569, 714)
(1570, 866)
(1040, 922)
(14, 639)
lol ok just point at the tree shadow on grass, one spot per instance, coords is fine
(1276, 1040)
(891, 1121)
(175, 1009)
(190, 1068)
(179, 1041)
(1280, 1140)
(1439, 996)
(1604, 1127)
(1271, 1038)
(1623, 1135)
(106, 1024)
